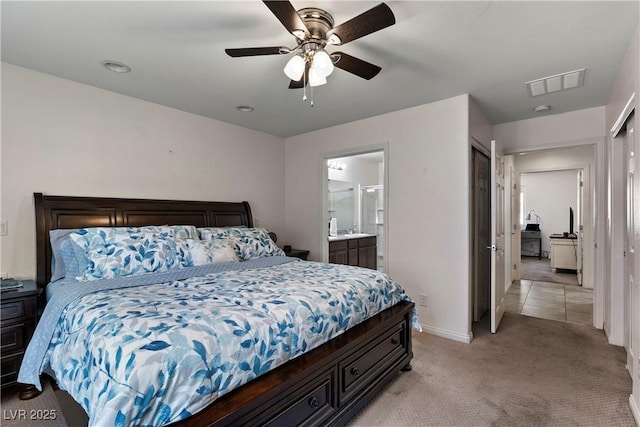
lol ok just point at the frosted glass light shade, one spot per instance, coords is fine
(322, 63)
(316, 78)
(295, 68)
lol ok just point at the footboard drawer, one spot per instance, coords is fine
(359, 370)
(318, 402)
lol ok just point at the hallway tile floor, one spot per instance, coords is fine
(555, 301)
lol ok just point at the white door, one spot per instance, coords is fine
(579, 228)
(481, 234)
(630, 247)
(497, 238)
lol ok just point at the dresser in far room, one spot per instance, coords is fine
(564, 252)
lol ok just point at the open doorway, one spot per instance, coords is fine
(554, 269)
(355, 201)
(550, 247)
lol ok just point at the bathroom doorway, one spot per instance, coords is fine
(356, 204)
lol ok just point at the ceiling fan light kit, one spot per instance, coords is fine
(316, 78)
(322, 63)
(295, 68)
(314, 30)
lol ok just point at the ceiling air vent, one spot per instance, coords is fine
(556, 83)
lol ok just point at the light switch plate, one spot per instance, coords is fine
(4, 228)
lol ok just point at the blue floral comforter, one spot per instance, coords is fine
(153, 354)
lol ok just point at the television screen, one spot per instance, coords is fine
(570, 220)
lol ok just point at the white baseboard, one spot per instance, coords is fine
(448, 334)
(635, 410)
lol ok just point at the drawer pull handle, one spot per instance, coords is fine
(394, 341)
(314, 403)
(355, 372)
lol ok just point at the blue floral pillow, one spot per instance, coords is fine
(215, 233)
(68, 259)
(57, 238)
(210, 251)
(122, 251)
(247, 242)
(178, 232)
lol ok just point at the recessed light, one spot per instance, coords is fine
(116, 67)
(245, 108)
(542, 108)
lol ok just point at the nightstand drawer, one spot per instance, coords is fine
(10, 367)
(18, 317)
(13, 338)
(25, 307)
(11, 310)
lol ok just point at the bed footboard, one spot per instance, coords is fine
(327, 386)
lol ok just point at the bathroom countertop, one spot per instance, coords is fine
(349, 236)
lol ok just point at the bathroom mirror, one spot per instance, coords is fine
(341, 204)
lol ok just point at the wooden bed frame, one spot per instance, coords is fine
(326, 386)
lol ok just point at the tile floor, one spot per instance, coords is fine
(555, 301)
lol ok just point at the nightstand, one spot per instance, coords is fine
(18, 314)
(298, 253)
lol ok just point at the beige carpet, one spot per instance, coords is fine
(534, 372)
(540, 271)
(27, 413)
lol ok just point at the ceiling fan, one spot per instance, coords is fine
(313, 29)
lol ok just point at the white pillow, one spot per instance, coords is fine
(210, 252)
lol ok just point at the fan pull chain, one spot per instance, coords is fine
(304, 87)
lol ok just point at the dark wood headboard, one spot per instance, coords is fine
(54, 212)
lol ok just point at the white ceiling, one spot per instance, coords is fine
(436, 50)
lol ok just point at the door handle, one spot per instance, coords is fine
(494, 248)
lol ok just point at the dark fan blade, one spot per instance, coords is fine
(355, 66)
(368, 22)
(287, 15)
(297, 84)
(254, 51)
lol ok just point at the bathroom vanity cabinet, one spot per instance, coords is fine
(354, 250)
